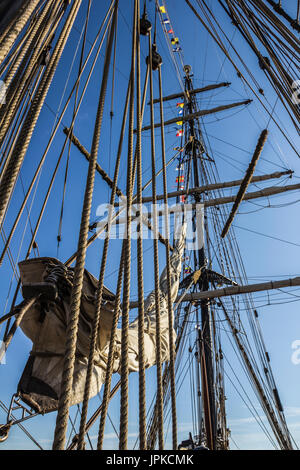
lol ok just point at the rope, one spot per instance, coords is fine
(159, 397)
(28, 44)
(110, 359)
(112, 98)
(93, 418)
(14, 32)
(54, 133)
(127, 255)
(10, 333)
(71, 334)
(215, 224)
(282, 82)
(221, 45)
(9, 25)
(20, 149)
(30, 63)
(19, 120)
(140, 269)
(23, 77)
(42, 19)
(284, 443)
(97, 318)
(104, 227)
(70, 133)
(170, 310)
(109, 369)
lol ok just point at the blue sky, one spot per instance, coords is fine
(232, 138)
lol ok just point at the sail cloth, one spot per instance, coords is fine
(45, 324)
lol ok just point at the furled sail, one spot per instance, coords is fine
(46, 321)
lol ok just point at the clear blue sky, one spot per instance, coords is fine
(232, 137)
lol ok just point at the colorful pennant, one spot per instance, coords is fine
(180, 179)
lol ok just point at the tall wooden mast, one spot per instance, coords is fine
(204, 334)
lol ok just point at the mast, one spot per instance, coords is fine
(204, 338)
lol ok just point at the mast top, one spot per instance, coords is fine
(187, 70)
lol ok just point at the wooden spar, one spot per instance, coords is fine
(235, 290)
(262, 193)
(218, 201)
(277, 7)
(193, 92)
(214, 186)
(84, 152)
(271, 191)
(246, 181)
(202, 112)
(208, 187)
(93, 418)
(107, 179)
(105, 176)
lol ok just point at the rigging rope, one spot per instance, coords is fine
(221, 45)
(159, 397)
(97, 318)
(16, 159)
(168, 267)
(127, 254)
(140, 265)
(16, 29)
(32, 60)
(70, 133)
(37, 172)
(29, 42)
(67, 378)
